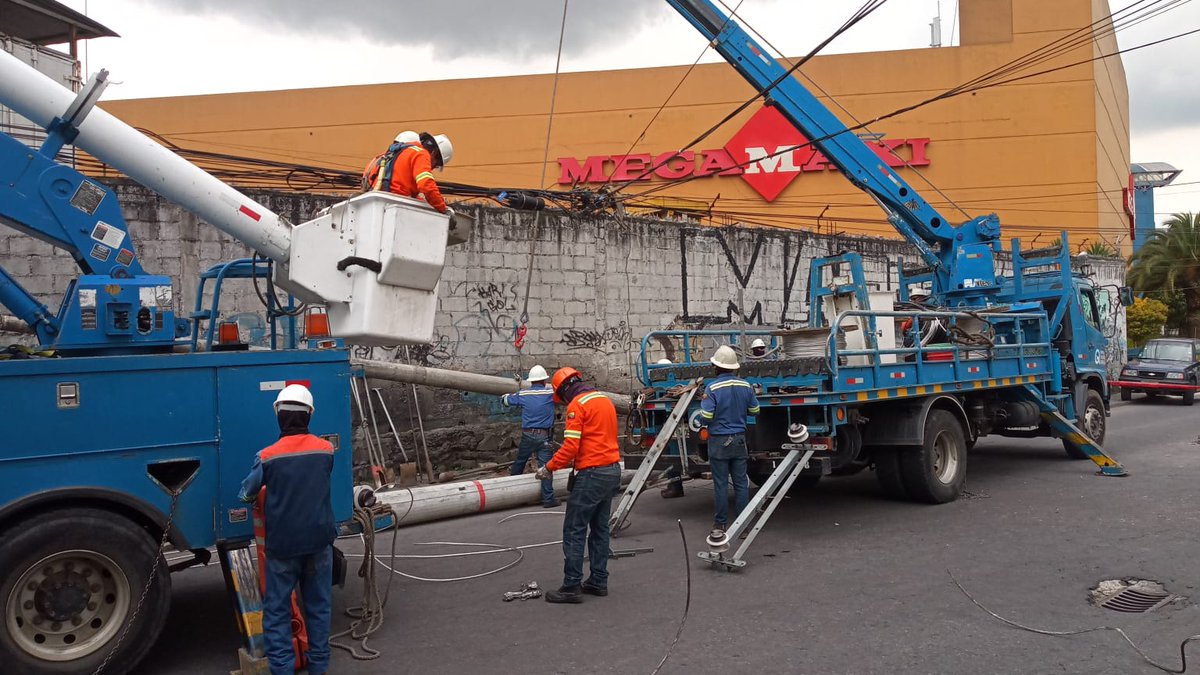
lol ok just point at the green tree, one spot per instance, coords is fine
(1144, 320)
(1170, 261)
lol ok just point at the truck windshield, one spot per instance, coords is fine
(1168, 351)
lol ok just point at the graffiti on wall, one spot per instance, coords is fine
(617, 338)
(750, 309)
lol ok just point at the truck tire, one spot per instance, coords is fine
(887, 472)
(1126, 394)
(72, 579)
(1189, 397)
(1091, 421)
(933, 472)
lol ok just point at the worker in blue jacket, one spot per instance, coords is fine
(728, 401)
(295, 471)
(537, 420)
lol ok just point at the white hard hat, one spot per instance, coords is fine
(408, 137)
(537, 374)
(725, 357)
(444, 147)
(294, 397)
(663, 362)
(758, 342)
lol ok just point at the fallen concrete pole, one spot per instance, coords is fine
(455, 379)
(11, 324)
(427, 503)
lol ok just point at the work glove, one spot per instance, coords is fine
(543, 473)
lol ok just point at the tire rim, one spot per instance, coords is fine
(945, 458)
(67, 605)
(1093, 423)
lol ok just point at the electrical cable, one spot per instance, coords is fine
(1066, 633)
(687, 603)
(543, 512)
(986, 81)
(518, 550)
(863, 12)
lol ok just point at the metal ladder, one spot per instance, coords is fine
(665, 435)
(759, 510)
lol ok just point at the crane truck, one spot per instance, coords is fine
(126, 437)
(903, 383)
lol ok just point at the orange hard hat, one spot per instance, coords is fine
(561, 376)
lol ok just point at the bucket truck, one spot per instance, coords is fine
(124, 436)
(900, 383)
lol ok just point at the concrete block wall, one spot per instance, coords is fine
(598, 284)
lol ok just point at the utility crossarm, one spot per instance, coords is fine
(960, 258)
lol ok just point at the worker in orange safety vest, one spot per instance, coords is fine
(406, 168)
(590, 446)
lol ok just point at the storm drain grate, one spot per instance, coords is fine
(1132, 596)
(1136, 602)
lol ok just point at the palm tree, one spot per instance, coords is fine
(1170, 261)
(1100, 249)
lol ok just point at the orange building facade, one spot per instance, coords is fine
(1046, 153)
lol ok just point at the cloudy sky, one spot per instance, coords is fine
(177, 47)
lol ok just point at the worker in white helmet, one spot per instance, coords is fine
(406, 167)
(728, 401)
(758, 348)
(295, 474)
(537, 420)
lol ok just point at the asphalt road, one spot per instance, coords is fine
(840, 581)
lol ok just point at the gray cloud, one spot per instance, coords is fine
(453, 28)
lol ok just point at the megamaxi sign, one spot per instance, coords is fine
(758, 153)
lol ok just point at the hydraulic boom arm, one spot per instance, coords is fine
(960, 258)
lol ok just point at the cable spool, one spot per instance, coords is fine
(808, 343)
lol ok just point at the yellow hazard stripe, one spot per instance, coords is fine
(706, 414)
(589, 397)
(572, 434)
(729, 383)
(754, 410)
(903, 392)
(424, 175)
(253, 622)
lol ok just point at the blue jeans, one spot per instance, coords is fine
(588, 509)
(537, 445)
(314, 574)
(727, 458)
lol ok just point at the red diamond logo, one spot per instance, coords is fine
(765, 134)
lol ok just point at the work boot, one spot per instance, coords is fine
(592, 589)
(551, 504)
(566, 594)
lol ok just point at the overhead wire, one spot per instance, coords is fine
(864, 11)
(994, 78)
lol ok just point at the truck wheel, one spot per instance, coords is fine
(933, 472)
(1126, 394)
(1189, 397)
(1092, 422)
(72, 579)
(887, 472)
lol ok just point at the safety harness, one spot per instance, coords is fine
(383, 173)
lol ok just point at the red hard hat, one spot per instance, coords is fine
(560, 376)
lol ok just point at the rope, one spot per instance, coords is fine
(367, 618)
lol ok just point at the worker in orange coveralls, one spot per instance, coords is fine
(590, 446)
(406, 168)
